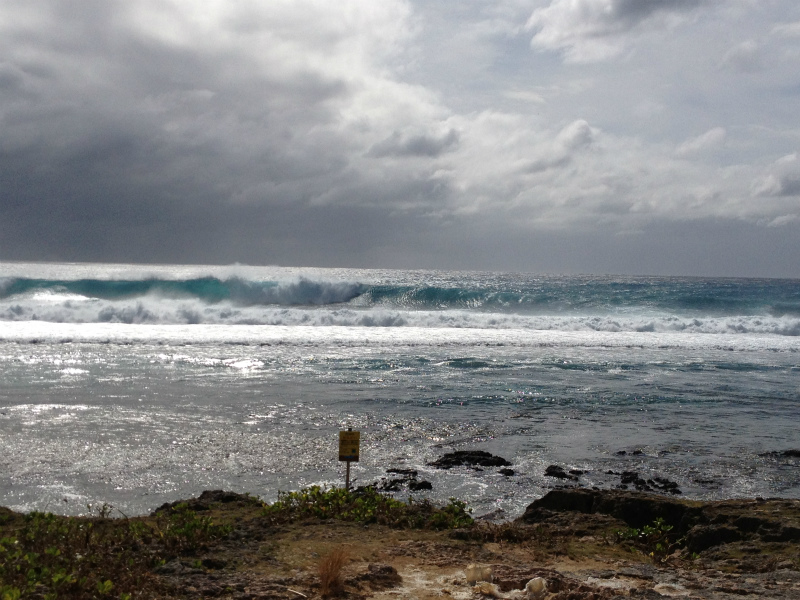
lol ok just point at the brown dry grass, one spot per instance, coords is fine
(330, 571)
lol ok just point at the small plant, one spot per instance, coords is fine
(655, 539)
(330, 572)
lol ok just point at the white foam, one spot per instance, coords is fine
(359, 336)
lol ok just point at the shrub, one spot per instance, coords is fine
(366, 505)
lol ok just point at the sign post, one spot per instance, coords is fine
(349, 442)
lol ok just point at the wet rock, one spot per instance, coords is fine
(406, 472)
(416, 486)
(559, 473)
(469, 458)
(784, 454)
(391, 485)
(408, 479)
(661, 484)
(507, 472)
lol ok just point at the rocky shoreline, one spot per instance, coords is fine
(586, 544)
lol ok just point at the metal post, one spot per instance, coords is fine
(347, 478)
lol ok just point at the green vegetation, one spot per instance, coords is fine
(51, 557)
(655, 539)
(366, 505)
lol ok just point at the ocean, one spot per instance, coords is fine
(135, 385)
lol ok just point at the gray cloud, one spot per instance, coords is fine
(300, 133)
(783, 178)
(590, 30)
(416, 145)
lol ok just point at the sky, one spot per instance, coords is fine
(651, 137)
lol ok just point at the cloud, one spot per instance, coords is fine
(306, 132)
(595, 30)
(415, 145)
(787, 29)
(745, 57)
(781, 180)
(712, 138)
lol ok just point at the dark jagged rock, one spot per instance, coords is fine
(409, 479)
(784, 454)
(661, 484)
(507, 472)
(391, 485)
(559, 473)
(469, 458)
(416, 486)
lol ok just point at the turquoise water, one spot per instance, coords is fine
(136, 385)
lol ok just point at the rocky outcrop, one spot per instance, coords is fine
(470, 458)
(703, 525)
(207, 499)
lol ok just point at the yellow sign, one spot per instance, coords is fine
(349, 442)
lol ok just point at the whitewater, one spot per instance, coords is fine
(139, 384)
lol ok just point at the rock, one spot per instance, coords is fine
(475, 573)
(207, 499)
(705, 536)
(416, 486)
(784, 454)
(391, 485)
(507, 472)
(397, 483)
(536, 588)
(559, 473)
(406, 472)
(379, 577)
(703, 526)
(634, 508)
(470, 458)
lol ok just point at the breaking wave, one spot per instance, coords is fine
(556, 304)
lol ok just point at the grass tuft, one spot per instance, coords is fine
(330, 572)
